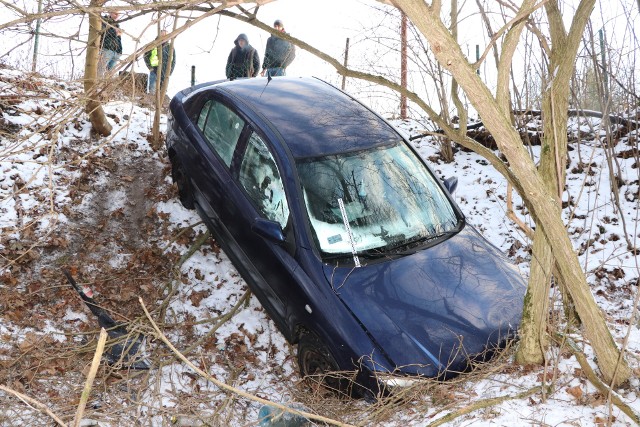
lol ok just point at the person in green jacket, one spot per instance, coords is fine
(152, 60)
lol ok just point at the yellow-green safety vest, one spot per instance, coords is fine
(154, 57)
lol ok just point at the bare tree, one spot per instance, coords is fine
(530, 183)
(563, 48)
(93, 106)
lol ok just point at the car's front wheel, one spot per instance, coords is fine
(184, 186)
(318, 364)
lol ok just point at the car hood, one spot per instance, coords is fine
(429, 312)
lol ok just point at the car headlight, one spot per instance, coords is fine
(393, 381)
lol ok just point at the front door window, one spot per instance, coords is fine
(261, 179)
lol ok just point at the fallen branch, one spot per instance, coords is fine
(481, 404)
(593, 378)
(223, 320)
(32, 402)
(176, 271)
(234, 390)
(192, 250)
(95, 363)
(181, 232)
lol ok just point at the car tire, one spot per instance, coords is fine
(184, 186)
(316, 362)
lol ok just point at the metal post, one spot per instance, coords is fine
(193, 75)
(346, 61)
(605, 76)
(403, 66)
(478, 58)
(36, 41)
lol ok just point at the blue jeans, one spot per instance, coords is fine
(153, 78)
(275, 72)
(107, 61)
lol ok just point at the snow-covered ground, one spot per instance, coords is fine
(69, 196)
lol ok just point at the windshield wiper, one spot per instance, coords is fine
(404, 247)
(366, 254)
(407, 245)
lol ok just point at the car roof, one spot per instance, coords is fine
(313, 117)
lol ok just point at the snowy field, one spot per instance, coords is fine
(106, 209)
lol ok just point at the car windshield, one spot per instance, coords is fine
(373, 201)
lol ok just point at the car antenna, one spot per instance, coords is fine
(269, 78)
(347, 227)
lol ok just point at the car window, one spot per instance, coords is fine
(202, 118)
(261, 179)
(386, 195)
(221, 128)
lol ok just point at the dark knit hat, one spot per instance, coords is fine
(278, 22)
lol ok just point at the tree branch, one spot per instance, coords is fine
(481, 404)
(449, 131)
(232, 389)
(593, 378)
(509, 47)
(95, 363)
(521, 16)
(40, 406)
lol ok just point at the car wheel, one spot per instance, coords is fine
(316, 363)
(184, 186)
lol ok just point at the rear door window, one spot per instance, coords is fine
(221, 128)
(202, 118)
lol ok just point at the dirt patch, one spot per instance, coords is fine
(109, 241)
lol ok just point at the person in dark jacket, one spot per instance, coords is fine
(278, 54)
(152, 60)
(110, 43)
(243, 60)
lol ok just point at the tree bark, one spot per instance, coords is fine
(94, 107)
(162, 83)
(533, 328)
(462, 112)
(553, 158)
(528, 182)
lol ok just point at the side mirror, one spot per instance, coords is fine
(270, 230)
(451, 184)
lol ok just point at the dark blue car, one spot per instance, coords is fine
(352, 245)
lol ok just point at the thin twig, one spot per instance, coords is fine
(203, 238)
(181, 232)
(234, 390)
(29, 401)
(593, 378)
(481, 404)
(513, 216)
(222, 321)
(176, 272)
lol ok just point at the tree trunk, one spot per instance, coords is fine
(161, 88)
(553, 158)
(156, 143)
(94, 107)
(462, 112)
(533, 331)
(529, 184)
